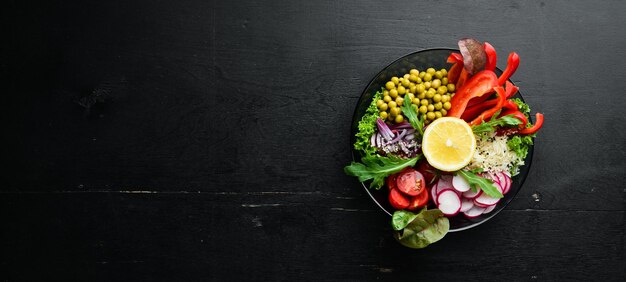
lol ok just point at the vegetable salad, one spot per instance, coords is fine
(422, 126)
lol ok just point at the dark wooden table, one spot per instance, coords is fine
(205, 140)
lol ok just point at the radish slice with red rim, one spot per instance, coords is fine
(460, 184)
(474, 212)
(471, 194)
(485, 200)
(489, 209)
(466, 204)
(449, 202)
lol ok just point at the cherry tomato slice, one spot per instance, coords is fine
(397, 200)
(410, 182)
(427, 171)
(419, 201)
(391, 181)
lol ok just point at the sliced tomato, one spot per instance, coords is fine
(411, 182)
(419, 201)
(397, 200)
(427, 171)
(391, 181)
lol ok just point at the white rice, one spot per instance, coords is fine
(493, 155)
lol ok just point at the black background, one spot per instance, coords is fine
(205, 140)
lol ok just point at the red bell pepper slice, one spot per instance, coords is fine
(510, 105)
(491, 56)
(471, 112)
(478, 85)
(511, 67)
(510, 89)
(462, 78)
(454, 72)
(490, 112)
(455, 58)
(535, 127)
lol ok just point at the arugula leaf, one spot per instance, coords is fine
(417, 122)
(377, 168)
(367, 126)
(419, 230)
(485, 184)
(490, 126)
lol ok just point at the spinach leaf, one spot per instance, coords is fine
(419, 230)
(377, 168)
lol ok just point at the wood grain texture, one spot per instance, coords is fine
(205, 140)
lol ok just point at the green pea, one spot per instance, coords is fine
(428, 84)
(383, 114)
(430, 93)
(444, 81)
(412, 89)
(387, 99)
(423, 109)
(413, 77)
(447, 105)
(436, 83)
(422, 95)
(410, 96)
(442, 90)
(444, 72)
(386, 92)
(389, 85)
(383, 107)
(437, 97)
(428, 77)
(392, 104)
(406, 76)
(438, 114)
(444, 112)
(430, 115)
(420, 88)
(430, 107)
(416, 101)
(430, 71)
(424, 102)
(393, 93)
(379, 103)
(399, 101)
(451, 87)
(445, 98)
(421, 74)
(406, 83)
(419, 80)
(399, 118)
(438, 106)
(401, 90)
(438, 74)
(395, 80)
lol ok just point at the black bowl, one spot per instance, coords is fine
(422, 60)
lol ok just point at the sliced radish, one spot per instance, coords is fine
(474, 212)
(489, 209)
(433, 194)
(485, 200)
(471, 194)
(466, 204)
(445, 181)
(460, 184)
(449, 202)
(509, 182)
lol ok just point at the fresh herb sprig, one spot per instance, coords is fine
(490, 126)
(475, 181)
(417, 122)
(377, 168)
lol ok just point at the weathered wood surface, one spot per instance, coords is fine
(205, 140)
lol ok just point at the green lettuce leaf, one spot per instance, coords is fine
(367, 127)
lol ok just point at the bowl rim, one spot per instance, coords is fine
(367, 190)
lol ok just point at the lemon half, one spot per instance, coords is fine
(448, 143)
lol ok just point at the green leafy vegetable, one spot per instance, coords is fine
(485, 184)
(490, 126)
(377, 168)
(419, 230)
(523, 107)
(408, 109)
(367, 126)
(519, 144)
